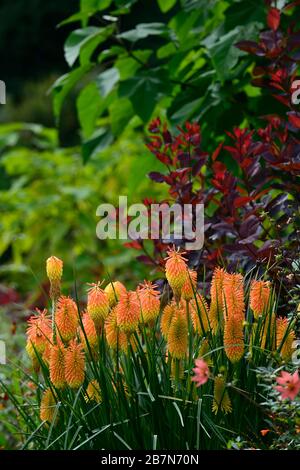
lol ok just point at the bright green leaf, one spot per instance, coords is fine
(101, 139)
(64, 85)
(89, 107)
(166, 5)
(83, 42)
(120, 113)
(107, 80)
(143, 30)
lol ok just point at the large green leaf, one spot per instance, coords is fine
(94, 5)
(107, 80)
(88, 48)
(142, 92)
(83, 42)
(89, 106)
(129, 64)
(101, 139)
(222, 53)
(62, 87)
(166, 5)
(143, 30)
(120, 112)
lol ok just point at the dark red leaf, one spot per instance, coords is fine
(145, 259)
(250, 46)
(241, 201)
(282, 99)
(165, 159)
(294, 119)
(157, 177)
(133, 244)
(273, 18)
(217, 151)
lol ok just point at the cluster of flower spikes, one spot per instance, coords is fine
(187, 305)
(225, 315)
(65, 342)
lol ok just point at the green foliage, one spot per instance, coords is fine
(14, 342)
(48, 202)
(283, 416)
(181, 62)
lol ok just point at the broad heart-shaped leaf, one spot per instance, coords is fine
(64, 85)
(101, 139)
(79, 38)
(120, 112)
(223, 53)
(93, 42)
(143, 30)
(128, 65)
(89, 107)
(107, 80)
(144, 91)
(94, 5)
(166, 5)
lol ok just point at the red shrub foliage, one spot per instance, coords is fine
(250, 184)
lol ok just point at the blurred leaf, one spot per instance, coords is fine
(143, 30)
(128, 65)
(83, 42)
(224, 56)
(120, 112)
(89, 106)
(101, 139)
(144, 92)
(64, 85)
(88, 48)
(166, 5)
(107, 80)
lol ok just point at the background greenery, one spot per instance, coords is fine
(181, 65)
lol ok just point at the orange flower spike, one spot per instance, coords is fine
(234, 305)
(90, 332)
(54, 269)
(199, 314)
(39, 330)
(216, 305)
(259, 297)
(93, 392)
(97, 304)
(287, 338)
(33, 356)
(178, 335)
(114, 337)
(113, 291)
(234, 315)
(176, 271)
(148, 296)
(166, 318)
(57, 366)
(128, 312)
(66, 318)
(189, 287)
(74, 364)
(48, 404)
(221, 399)
(233, 339)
